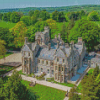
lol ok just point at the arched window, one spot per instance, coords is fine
(41, 69)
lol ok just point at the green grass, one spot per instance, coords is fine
(7, 24)
(20, 72)
(79, 88)
(90, 71)
(44, 92)
(5, 69)
(7, 54)
(65, 84)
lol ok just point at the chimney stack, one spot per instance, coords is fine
(59, 36)
(79, 39)
(49, 46)
(55, 36)
(26, 40)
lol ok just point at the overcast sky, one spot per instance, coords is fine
(43, 3)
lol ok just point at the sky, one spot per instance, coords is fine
(43, 3)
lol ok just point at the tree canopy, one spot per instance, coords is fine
(19, 32)
(89, 31)
(93, 16)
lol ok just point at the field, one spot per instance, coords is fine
(7, 24)
(7, 54)
(5, 69)
(45, 93)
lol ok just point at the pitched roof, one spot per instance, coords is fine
(44, 53)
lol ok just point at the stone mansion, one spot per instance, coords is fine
(54, 57)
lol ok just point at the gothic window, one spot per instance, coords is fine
(62, 68)
(56, 67)
(52, 71)
(37, 69)
(63, 60)
(42, 61)
(41, 69)
(47, 62)
(47, 70)
(25, 62)
(51, 63)
(57, 59)
(59, 68)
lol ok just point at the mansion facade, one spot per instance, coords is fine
(54, 57)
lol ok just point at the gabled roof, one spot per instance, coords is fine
(44, 53)
(26, 48)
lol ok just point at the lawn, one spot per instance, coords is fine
(42, 92)
(7, 54)
(65, 84)
(7, 24)
(5, 69)
(79, 88)
(45, 93)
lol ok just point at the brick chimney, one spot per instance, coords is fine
(59, 36)
(79, 39)
(55, 36)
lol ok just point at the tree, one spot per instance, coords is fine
(74, 15)
(8, 16)
(44, 15)
(1, 15)
(26, 20)
(2, 48)
(15, 90)
(19, 32)
(89, 31)
(90, 89)
(39, 26)
(33, 19)
(5, 17)
(53, 26)
(31, 12)
(37, 13)
(55, 15)
(96, 72)
(64, 33)
(15, 17)
(1, 89)
(61, 17)
(73, 95)
(93, 16)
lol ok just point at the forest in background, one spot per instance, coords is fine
(14, 26)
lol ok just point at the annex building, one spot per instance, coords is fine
(54, 57)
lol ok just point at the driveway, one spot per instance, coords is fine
(16, 57)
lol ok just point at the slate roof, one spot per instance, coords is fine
(44, 53)
(79, 48)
